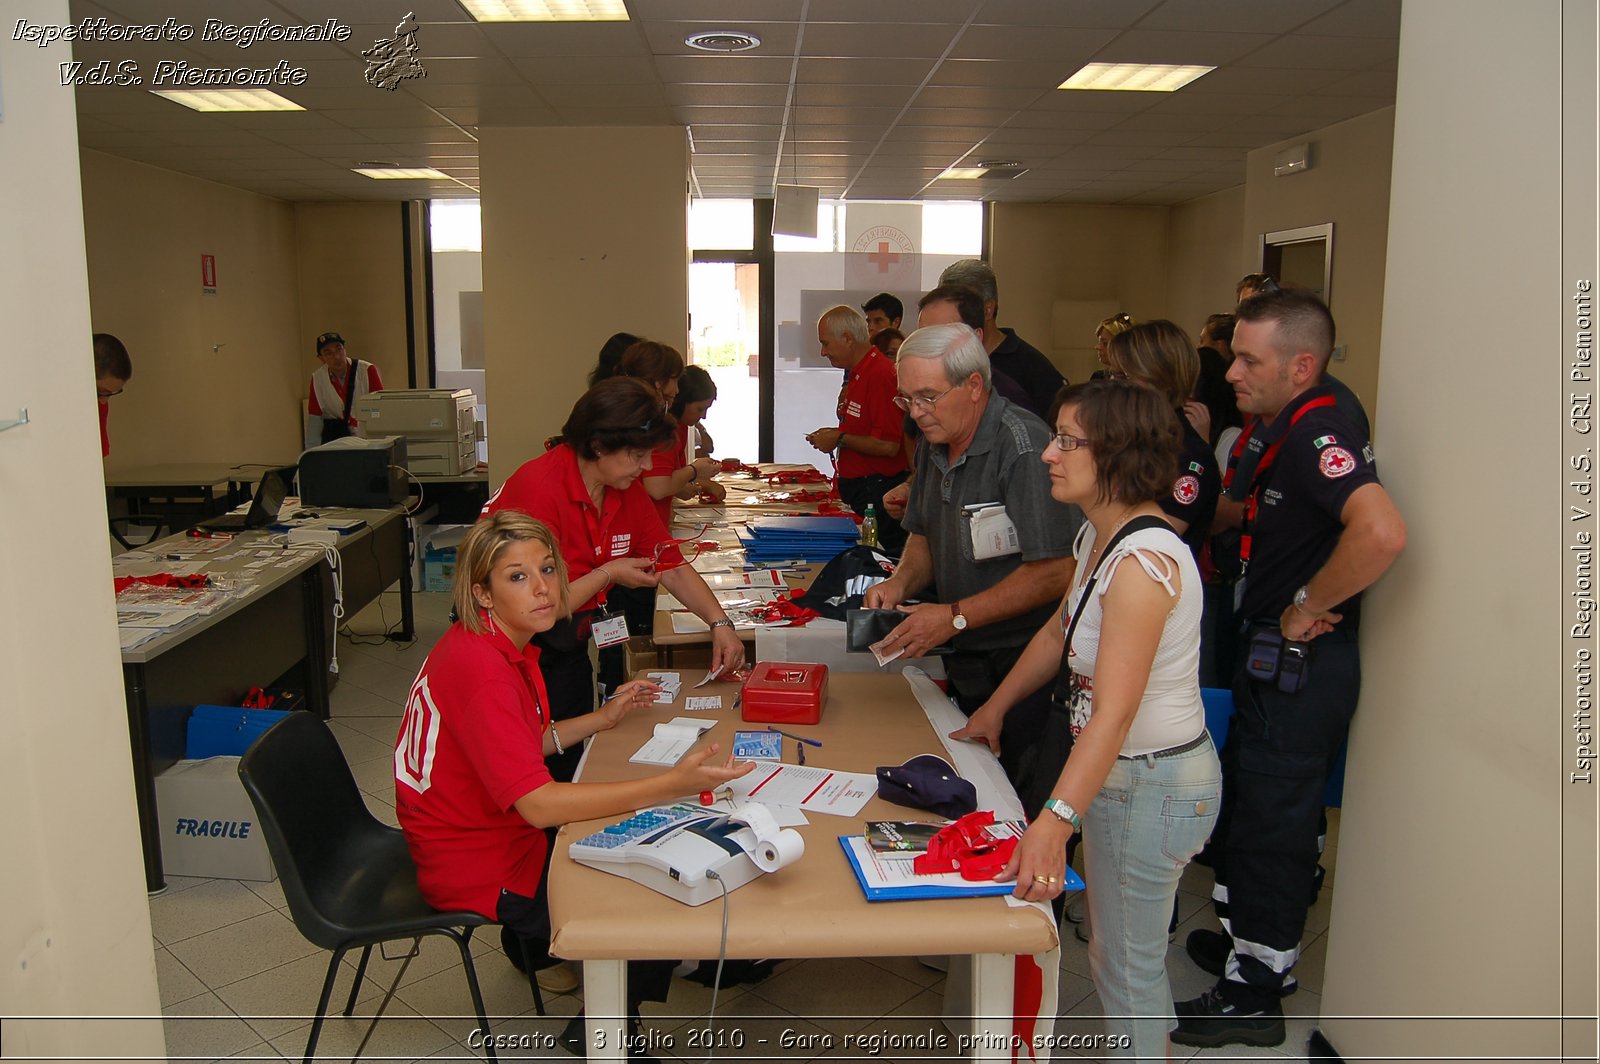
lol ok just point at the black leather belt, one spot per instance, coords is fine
(1171, 751)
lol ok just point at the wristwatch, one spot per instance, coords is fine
(957, 618)
(724, 623)
(1300, 602)
(1065, 812)
(694, 472)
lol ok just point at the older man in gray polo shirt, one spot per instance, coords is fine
(978, 451)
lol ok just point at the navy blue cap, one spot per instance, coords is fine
(928, 782)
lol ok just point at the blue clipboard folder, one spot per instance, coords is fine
(817, 539)
(870, 873)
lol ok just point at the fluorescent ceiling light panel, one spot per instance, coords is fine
(547, 10)
(1134, 77)
(963, 173)
(229, 99)
(402, 173)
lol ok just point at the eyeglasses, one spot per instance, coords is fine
(1064, 442)
(1117, 375)
(107, 395)
(921, 402)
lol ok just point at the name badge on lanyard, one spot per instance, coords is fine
(609, 630)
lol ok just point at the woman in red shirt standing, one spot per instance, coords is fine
(473, 793)
(587, 489)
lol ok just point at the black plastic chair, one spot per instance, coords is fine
(348, 877)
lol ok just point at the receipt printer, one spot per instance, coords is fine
(785, 692)
(355, 472)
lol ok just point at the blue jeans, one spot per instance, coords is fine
(1151, 816)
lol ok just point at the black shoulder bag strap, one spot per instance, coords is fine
(350, 389)
(1064, 674)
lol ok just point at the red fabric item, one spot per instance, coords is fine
(551, 489)
(797, 476)
(470, 744)
(1027, 993)
(192, 580)
(105, 439)
(866, 408)
(967, 847)
(785, 609)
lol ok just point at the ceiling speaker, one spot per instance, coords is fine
(794, 212)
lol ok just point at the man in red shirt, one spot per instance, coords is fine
(337, 385)
(112, 370)
(870, 437)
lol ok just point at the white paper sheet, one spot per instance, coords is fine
(816, 790)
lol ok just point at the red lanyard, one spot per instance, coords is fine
(1252, 502)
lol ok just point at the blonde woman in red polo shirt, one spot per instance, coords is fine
(473, 793)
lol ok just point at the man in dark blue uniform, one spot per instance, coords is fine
(1318, 529)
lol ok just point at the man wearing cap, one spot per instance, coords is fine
(338, 385)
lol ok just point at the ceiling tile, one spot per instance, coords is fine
(1304, 52)
(1359, 18)
(724, 69)
(727, 14)
(727, 95)
(1000, 73)
(1376, 83)
(1172, 46)
(888, 71)
(901, 11)
(844, 95)
(1089, 13)
(1067, 48)
(807, 115)
(1241, 16)
(587, 70)
(956, 117)
(520, 39)
(749, 116)
(1327, 109)
(617, 116)
(560, 96)
(435, 40)
(889, 39)
(1264, 82)
(1010, 99)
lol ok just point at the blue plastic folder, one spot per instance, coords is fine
(856, 851)
(217, 731)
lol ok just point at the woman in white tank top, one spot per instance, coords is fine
(1142, 782)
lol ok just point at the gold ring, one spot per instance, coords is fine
(1049, 879)
(1044, 879)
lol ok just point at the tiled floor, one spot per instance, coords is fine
(238, 981)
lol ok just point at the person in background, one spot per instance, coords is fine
(1160, 354)
(1140, 779)
(696, 392)
(1213, 390)
(1320, 529)
(587, 489)
(338, 385)
(977, 450)
(888, 341)
(113, 369)
(1253, 284)
(883, 311)
(474, 795)
(869, 437)
(1008, 352)
(610, 354)
(670, 473)
(1102, 341)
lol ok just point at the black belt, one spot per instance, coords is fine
(1171, 751)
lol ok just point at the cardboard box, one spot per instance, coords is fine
(208, 826)
(439, 570)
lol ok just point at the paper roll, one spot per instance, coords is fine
(780, 850)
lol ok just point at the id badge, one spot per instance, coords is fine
(609, 631)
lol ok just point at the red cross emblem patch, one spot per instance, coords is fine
(1336, 462)
(1186, 490)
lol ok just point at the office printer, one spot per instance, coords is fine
(355, 472)
(439, 425)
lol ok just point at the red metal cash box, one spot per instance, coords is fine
(785, 692)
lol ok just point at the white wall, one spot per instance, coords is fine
(1458, 815)
(75, 940)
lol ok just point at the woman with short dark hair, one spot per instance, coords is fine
(1142, 781)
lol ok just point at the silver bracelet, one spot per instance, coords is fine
(724, 623)
(556, 736)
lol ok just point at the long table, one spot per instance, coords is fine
(281, 628)
(813, 908)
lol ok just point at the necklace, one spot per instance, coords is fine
(1101, 545)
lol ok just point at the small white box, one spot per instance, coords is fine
(208, 824)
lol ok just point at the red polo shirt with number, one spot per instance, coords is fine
(551, 489)
(471, 743)
(867, 409)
